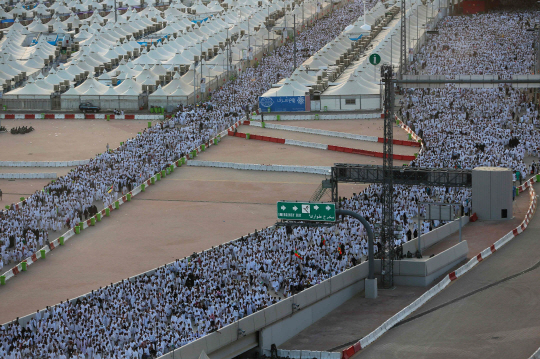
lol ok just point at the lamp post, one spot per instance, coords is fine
(392, 50)
(294, 38)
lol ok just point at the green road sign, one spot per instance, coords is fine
(374, 59)
(299, 211)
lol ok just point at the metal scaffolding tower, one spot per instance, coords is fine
(387, 228)
(403, 43)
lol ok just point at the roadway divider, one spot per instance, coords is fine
(105, 212)
(315, 131)
(77, 116)
(322, 170)
(322, 116)
(43, 163)
(319, 146)
(28, 175)
(405, 312)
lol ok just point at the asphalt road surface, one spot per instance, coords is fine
(491, 312)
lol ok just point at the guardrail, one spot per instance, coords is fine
(405, 312)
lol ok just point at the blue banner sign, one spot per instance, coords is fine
(283, 103)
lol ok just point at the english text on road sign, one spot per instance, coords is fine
(306, 211)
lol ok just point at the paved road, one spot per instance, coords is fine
(491, 312)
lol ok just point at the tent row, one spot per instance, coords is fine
(111, 62)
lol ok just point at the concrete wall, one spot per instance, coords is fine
(279, 322)
(436, 235)
(422, 272)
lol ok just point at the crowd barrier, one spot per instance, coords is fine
(321, 170)
(405, 312)
(43, 163)
(320, 146)
(105, 212)
(317, 116)
(77, 116)
(28, 175)
(315, 131)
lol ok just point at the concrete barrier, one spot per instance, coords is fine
(27, 175)
(431, 238)
(322, 116)
(371, 337)
(43, 163)
(256, 167)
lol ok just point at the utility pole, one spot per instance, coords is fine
(194, 84)
(115, 13)
(417, 11)
(294, 38)
(200, 84)
(249, 43)
(227, 54)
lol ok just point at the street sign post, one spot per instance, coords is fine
(374, 59)
(302, 211)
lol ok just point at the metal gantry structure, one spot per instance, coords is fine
(387, 228)
(403, 42)
(408, 176)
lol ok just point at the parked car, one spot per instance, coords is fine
(89, 107)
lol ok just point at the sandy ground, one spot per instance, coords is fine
(65, 140)
(13, 190)
(190, 210)
(369, 127)
(239, 150)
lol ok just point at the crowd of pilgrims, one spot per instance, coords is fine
(148, 315)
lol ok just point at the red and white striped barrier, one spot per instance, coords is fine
(314, 131)
(76, 116)
(371, 337)
(87, 223)
(319, 146)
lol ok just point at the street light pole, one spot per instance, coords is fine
(294, 37)
(227, 54)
